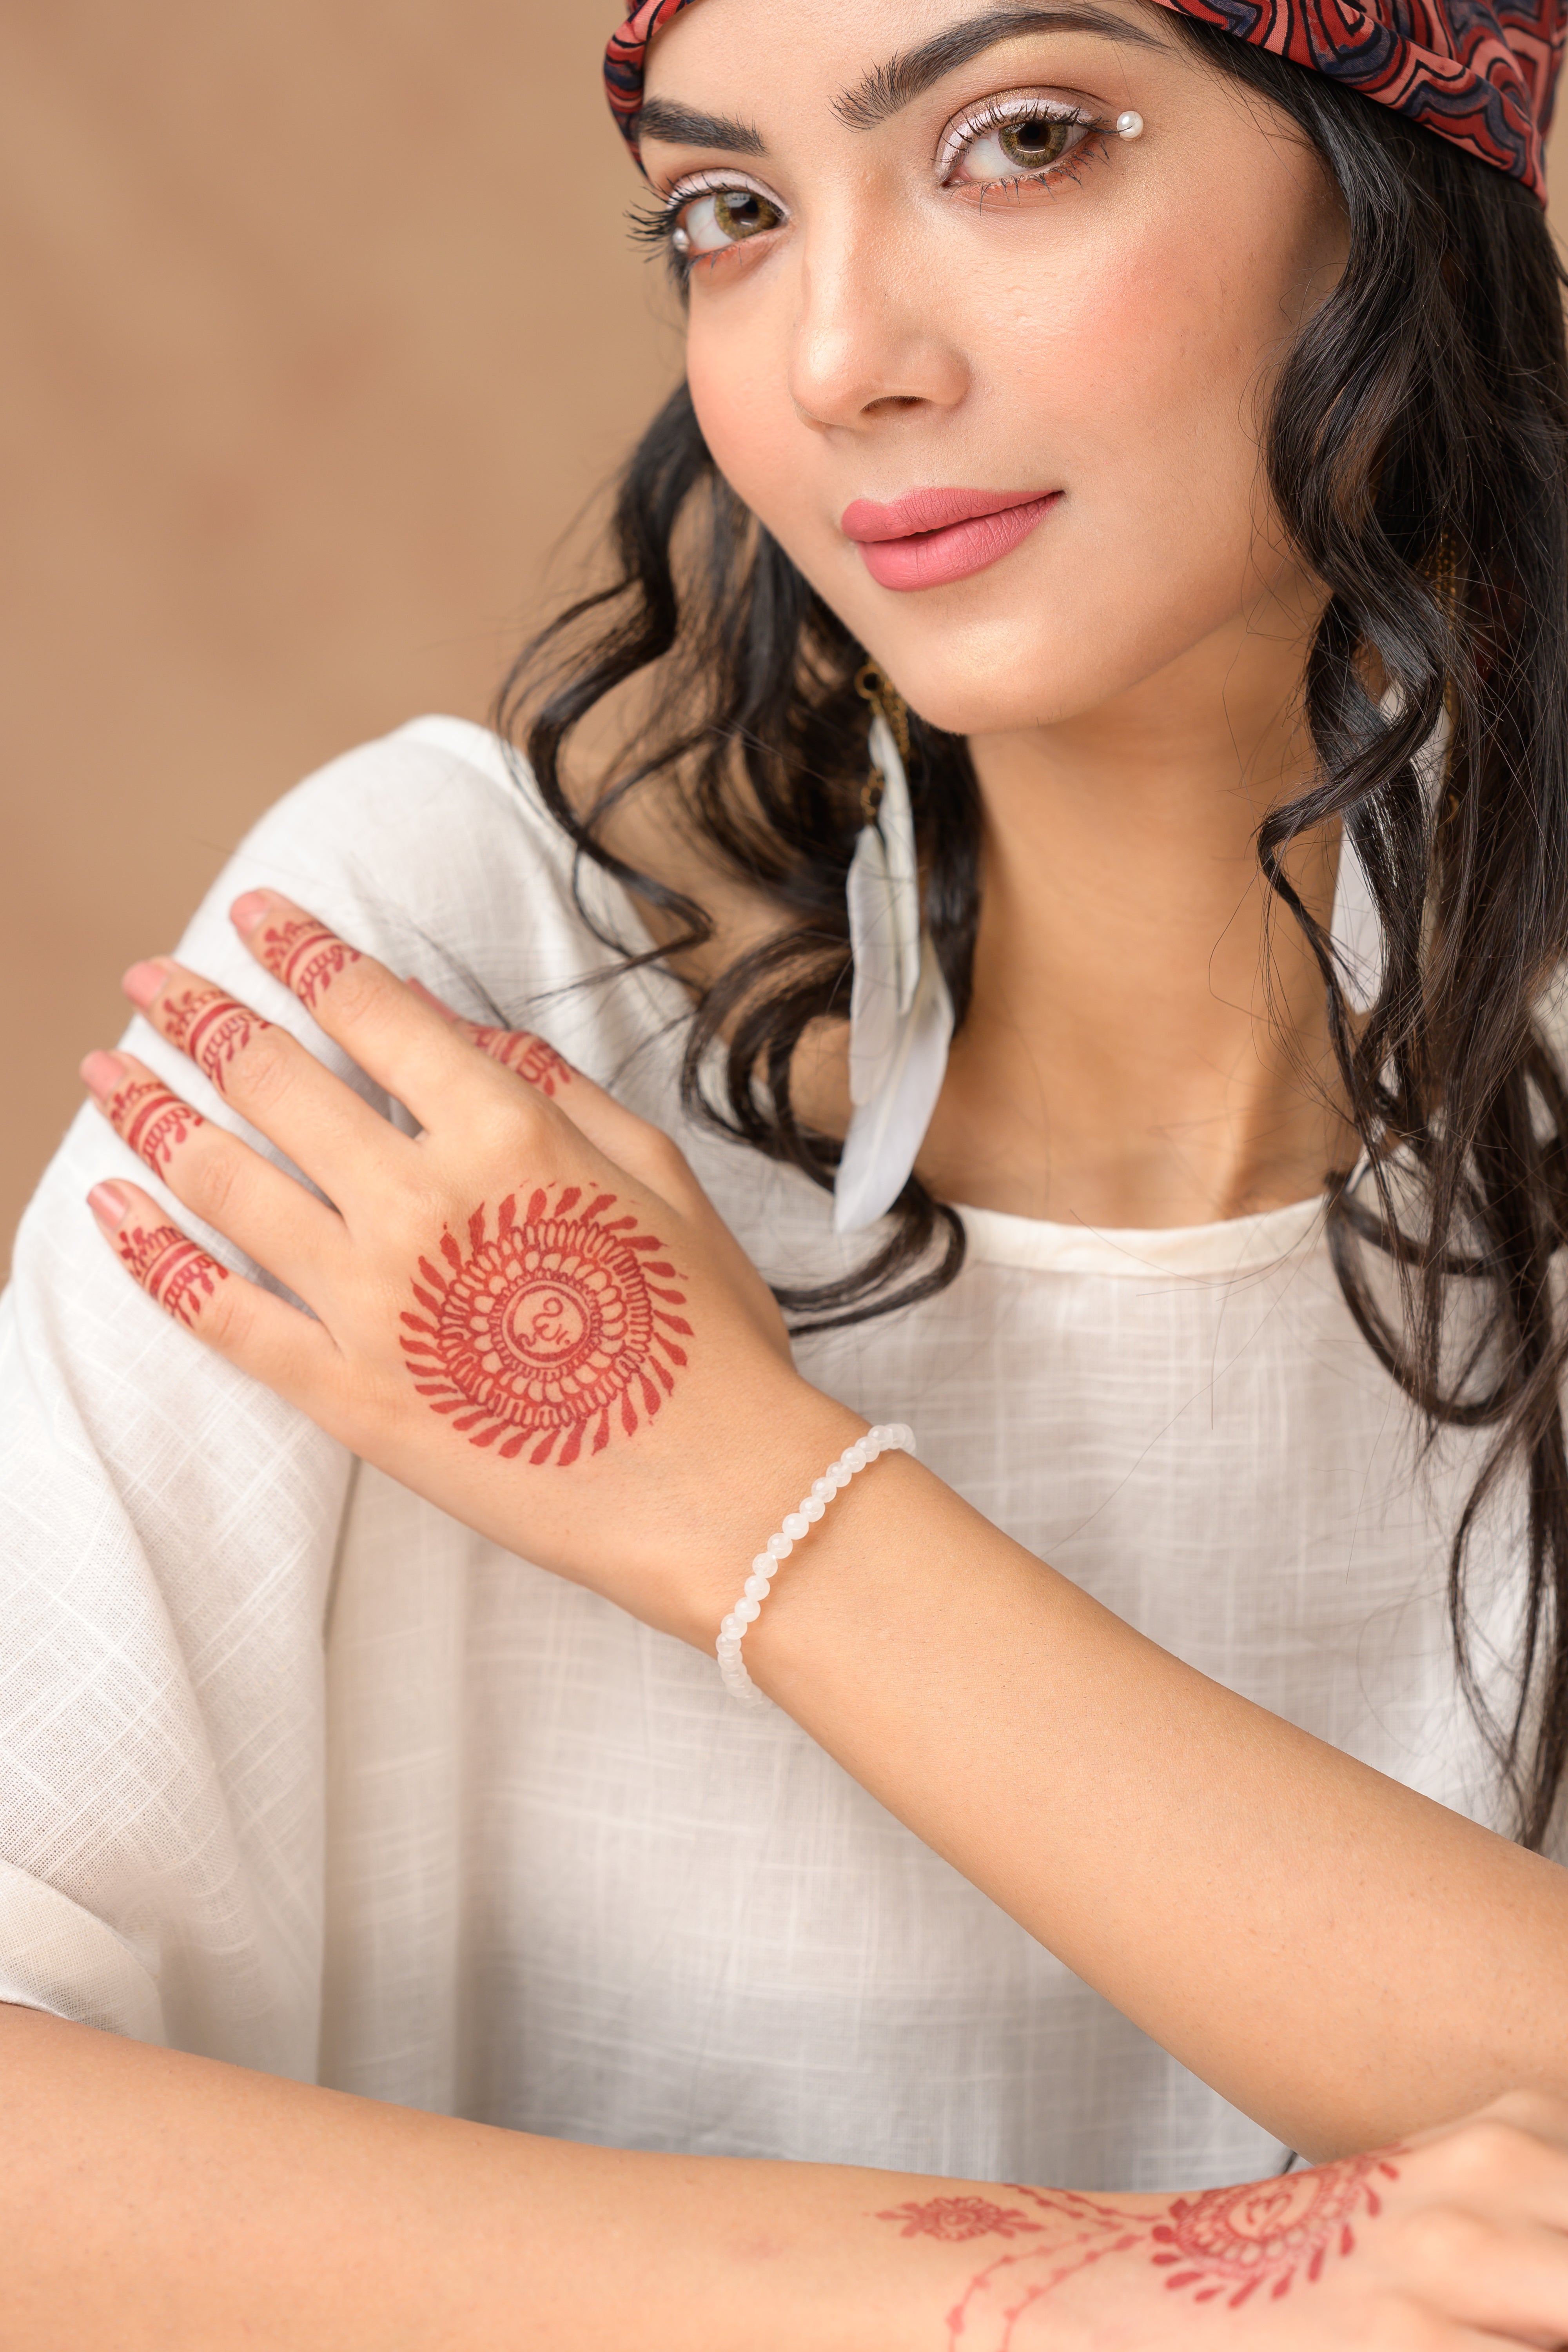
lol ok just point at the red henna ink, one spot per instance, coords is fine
(170, 1269)
(1222, 2246)
(530, 1056)
(1237, 2242)
(151, 1120)
(211, 1028)
(550, 1330)
(304, 955)
(956, 2217)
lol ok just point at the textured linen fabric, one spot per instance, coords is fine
(297, 1772)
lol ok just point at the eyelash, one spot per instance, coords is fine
(655, 223)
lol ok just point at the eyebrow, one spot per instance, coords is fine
(887, 90)
(682, 126)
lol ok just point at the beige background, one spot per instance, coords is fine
(320, 326)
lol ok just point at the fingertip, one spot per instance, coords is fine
(100, 1073)
(109, 1204)
(248, 909)
(145, 982)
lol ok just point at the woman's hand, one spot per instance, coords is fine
(522, 1313)
(1458, 2238)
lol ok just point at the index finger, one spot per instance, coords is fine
(406, 1046)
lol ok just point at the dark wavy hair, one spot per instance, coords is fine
(1417, 452)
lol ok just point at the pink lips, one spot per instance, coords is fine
(929, 537)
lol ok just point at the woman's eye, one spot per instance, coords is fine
(722, 218)
(1014, 147)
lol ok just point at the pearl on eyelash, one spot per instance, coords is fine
(1129, 125)
(894, 1437)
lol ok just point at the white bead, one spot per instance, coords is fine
(823, 1489)
(812, 1508)
(780, 1547)
(765, 1564)
(747, 1609)
(757, 1588)
(1128, 125)
(795, 1525)
(729, 1627)
(856, 1459)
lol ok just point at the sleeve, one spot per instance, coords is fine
(167, 1528)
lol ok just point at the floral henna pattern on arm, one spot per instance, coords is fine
(548, 1330)
(151, 1120)
(304, 955)
(956, 2217)
(211, 1028)
(1223, 2246)
(176, 1275)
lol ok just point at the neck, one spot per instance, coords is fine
(1147, 1043)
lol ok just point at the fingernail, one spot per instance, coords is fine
(109, 1203)
(428, 996)
(101, 1072)
(145, 982)
(247, 911)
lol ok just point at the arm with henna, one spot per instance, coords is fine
(155, 2203)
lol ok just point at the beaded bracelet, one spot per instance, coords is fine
(887, 1437)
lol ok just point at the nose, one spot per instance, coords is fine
(867, 344)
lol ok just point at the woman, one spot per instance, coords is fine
(1100, 377)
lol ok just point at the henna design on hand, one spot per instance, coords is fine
(530, 1056)
(1268, 2232)
(1224, 2245)
(548, 1328)
(211, 1028)
(956, 2217)
(304, 955)
(151, 1120)
(170, 1269)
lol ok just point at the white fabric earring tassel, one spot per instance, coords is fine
(901, 1015)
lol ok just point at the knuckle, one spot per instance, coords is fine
(209, 1184)
(1485, 2150)
(265, 1063)
(1444, 2240)
(1537, 2112)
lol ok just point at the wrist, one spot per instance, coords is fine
(787, 1438)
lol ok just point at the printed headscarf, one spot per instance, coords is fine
(1479, 72)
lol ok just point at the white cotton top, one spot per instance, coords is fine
(296, 1772)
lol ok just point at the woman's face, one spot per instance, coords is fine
(924, 261)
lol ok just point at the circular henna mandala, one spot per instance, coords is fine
(1268, 2233)
(542, 1332)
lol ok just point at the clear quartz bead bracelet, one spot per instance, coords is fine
(887, 1437)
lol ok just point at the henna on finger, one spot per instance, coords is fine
(534, 1061)
(549, 1331)
(303, 953)
(203, 1020)
(531, 1056)
(143, 1112)
(168, 1265)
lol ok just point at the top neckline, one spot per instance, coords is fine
(1235, 1245)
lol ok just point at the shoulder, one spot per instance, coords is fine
(431, 849)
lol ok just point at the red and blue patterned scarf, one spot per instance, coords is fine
(1480, 72)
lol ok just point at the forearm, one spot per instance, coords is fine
(155, 2203)
(1340, 1958)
